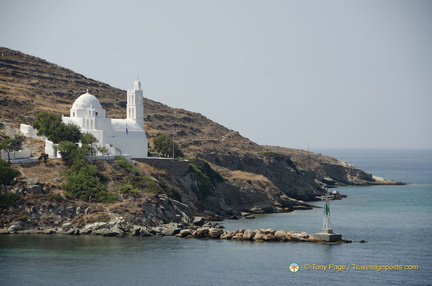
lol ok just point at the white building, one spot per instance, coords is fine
(119, 136)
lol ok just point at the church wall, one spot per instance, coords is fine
(88, 114)
(104, 124)
(134, 143)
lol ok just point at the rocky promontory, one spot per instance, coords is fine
(222, 175)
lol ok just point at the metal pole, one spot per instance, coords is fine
(173, 144)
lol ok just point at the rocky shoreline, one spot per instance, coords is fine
(199, 229)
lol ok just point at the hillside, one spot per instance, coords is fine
(263, 178)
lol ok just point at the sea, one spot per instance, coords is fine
(395, 222)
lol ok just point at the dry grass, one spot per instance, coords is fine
(45, 174)
(237, 174)
(149, 170)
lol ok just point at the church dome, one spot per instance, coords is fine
(86, 100)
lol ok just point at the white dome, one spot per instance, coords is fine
(86, 100)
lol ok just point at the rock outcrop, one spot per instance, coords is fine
(233, 174)
(259, 235)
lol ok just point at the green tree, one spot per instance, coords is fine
(88, 139)
(69, 132)
(7, 174)
(46, 123)
(104, 151)
(44, 157)
(84, 180)
(50, 125)
(67, 151)
(12, 144)
(83, 183)
(164, 145)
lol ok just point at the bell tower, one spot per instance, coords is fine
(135, 104)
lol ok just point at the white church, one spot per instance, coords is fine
(120, 136)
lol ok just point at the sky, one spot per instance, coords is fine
(300, 74)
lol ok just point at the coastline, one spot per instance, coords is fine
(211, 231)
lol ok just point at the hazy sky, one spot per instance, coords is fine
(342, 74)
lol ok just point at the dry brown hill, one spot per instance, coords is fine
(29, 84)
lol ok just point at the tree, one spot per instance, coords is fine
(46, 123)
(69, 132)
(44, 157)
(82, 183)
(164, 145)
(103, 151)
(12, 144)
(50, 125)
(7, 174)
(88, 139)
(66, 150)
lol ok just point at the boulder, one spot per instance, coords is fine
(257, 210)
(4, 231)
(269, 237)
(269, 231)
(249, 234)
(50, 231)
(259, 236)
(242, 230)
(215, 232)
(238, 236)
(115, 231)
(16, 226)
(35, 189)
(198, 220)
(145, 232)
(135, 230)
(156, 230)
(67, 226)
(201, 232)
(185, 232)
(31, 181)
(170, 229)
(73, 231)
(281, 235)
(304, 234)
(227, 235)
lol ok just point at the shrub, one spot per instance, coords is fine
(126, 165)
(7, 200)
(7, 174)
(164, 145)
(67, 151)
(50, 125)
(128, 189)
(82, 183)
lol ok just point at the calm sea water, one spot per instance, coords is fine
(395, 220)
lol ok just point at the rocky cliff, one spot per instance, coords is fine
(233, 174)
